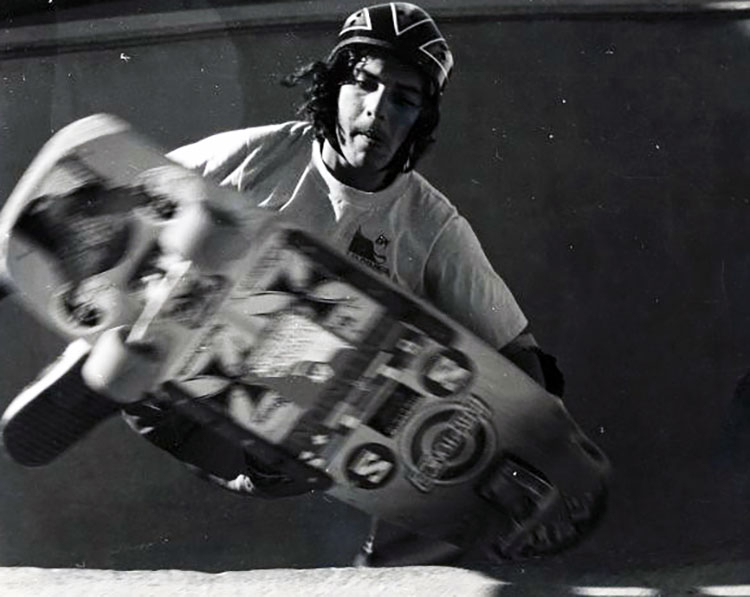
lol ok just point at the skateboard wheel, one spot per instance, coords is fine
(204, 235)
(123, 372)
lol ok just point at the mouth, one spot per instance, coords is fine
(371, 135)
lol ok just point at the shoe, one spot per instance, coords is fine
(54, 411)
(363, 559)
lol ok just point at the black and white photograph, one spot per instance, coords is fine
(390, 298)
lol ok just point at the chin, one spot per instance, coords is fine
(375, 162)
(368, 161)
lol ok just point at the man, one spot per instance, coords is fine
(347, 175)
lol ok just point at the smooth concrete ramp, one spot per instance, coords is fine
(390, 582)
(718, 579)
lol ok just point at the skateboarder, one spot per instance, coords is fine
(348, 175)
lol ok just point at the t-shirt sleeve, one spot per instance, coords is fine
(461, 282)
(214, 157)
(235, 157)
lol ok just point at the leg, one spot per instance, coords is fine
(54, 411)
(390, 545)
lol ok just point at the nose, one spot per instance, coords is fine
(375, 103)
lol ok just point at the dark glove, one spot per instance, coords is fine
(524, 353)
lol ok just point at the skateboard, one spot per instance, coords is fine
(172, 287)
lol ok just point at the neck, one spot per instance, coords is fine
(358, 178)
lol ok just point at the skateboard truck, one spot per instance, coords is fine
(129, 362)
(537, 519)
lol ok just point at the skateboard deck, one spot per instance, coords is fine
(171, 286)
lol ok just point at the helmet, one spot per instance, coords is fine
(404, 29)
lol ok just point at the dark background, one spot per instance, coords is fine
(602, 161)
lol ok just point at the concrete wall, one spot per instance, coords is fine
(602, 162)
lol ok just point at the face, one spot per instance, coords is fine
(376, 110)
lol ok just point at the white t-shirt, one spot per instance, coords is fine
(408, 231)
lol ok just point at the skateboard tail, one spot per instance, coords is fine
(62, 144)
(68, 229)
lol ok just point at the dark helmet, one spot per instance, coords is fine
(405, 30)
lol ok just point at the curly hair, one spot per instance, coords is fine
(321, 100)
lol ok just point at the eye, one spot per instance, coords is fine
(365, 83)
(407, 101)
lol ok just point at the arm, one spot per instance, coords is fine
(461, 282)
(525, 354)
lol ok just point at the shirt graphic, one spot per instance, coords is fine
(366, 251)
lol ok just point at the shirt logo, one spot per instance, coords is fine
(368, 252)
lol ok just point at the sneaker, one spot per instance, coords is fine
(54, 411)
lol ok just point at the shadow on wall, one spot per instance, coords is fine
(735, 447)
